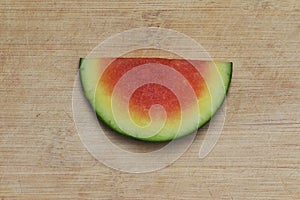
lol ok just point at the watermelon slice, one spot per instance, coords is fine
(154, 99)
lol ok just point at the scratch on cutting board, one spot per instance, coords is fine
(3, 174)
(20, 184)
(68, 115)
(210, 194)
(285, 188)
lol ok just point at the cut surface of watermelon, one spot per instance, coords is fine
(154, 99)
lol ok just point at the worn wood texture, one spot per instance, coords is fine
(258, 153)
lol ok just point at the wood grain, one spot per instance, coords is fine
(258, 153)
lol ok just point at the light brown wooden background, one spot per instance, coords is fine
(258, 153)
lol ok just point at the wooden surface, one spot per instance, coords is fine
(258, 153)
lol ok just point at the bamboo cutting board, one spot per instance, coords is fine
(258, 153)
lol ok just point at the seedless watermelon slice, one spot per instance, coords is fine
(154, 99)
